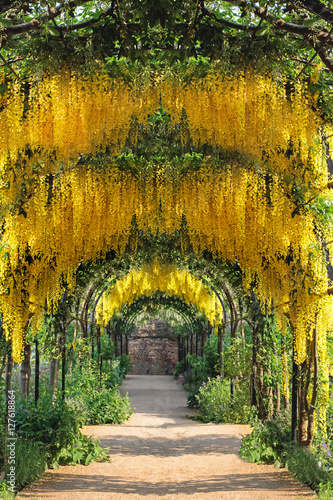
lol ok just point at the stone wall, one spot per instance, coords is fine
(153, 349)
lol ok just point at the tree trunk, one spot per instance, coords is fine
(311, 406)
(254, 400)
(277, 399)
(3, 364)
(269, 397)
(63, 366)
(25, 372)
(286, 382)
(294, 402)
(53, 376)
(36, 373)
(307, 408)
(302, 413)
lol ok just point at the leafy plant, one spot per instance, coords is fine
(5, 494)
(81, 450)
(214, 400)
(107, 406)
(270, 442)
(95, 397)
(266, 443)
(306, 468)
(120, 366)
(55, 429)
(30, 463)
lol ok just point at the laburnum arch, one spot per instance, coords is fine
(70, 193)
(154, 277)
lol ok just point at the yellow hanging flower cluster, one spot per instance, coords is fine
(70, 115)
(158, 277)
(252, 114)
(235, 214)
(51, 223)
(66, 116)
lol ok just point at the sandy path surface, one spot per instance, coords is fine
(159, 453)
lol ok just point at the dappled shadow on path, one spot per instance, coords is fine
(164, 447)
(159, 453)
(229, 483)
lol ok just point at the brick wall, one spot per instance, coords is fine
(153, 348)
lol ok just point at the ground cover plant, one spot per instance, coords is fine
(270, 442)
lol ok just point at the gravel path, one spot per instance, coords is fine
(159, 453)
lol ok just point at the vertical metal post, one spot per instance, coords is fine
(116, 342)
(36, 373)
(254, 367)
(63, 366)
(294, 390)
(92, 344)
(222, 352)
(100, 371)
(98, 344)
(219, 348)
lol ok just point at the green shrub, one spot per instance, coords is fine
(96, 400)
(53, 424)
(198, 371)
(266, 443)
(117, 370)
(80, 408)
(214, 400)
(192, 400)
(80, 450)
(240, 410)
(107, 406)
(125, 364)
(326, 491)
(179, 368)
(306, 468)
(5, 494)
(270, 442)
(55, 428)
(30, 463)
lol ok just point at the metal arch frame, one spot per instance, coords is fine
(194, 274)
(102, 292)
(188, 321)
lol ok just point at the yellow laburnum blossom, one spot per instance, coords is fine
(228, 213)
(158, 277)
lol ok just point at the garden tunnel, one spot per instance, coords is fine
(173, 282)
(249, 188)
(118, 294)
